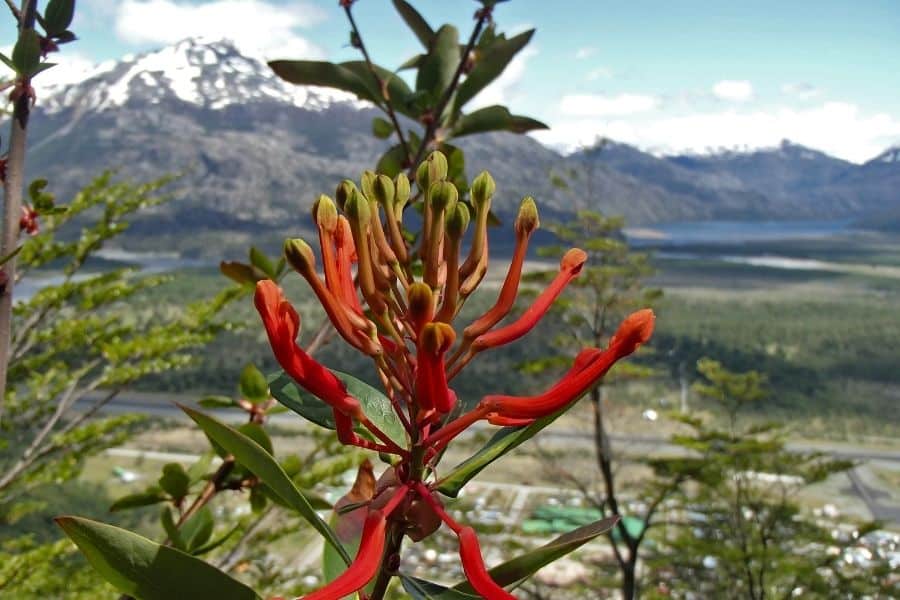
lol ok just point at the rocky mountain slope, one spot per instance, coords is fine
(255, 151)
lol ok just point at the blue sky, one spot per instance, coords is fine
(666, 76)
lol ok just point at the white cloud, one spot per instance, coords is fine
(585, 52)
(598, 105)
(733, 90)
(505, 88)
(599, 73)
(801, 90)
(256, 26)
(841, 129)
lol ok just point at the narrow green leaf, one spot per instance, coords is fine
(502, 442)
(7, 61)
(416, 22)
(437, 68)
(375, 404)
(216, 542)
(514, 571)
(327, 74)
(494, 118)
(146, 498)
(491, 63)
(253, 385)
(146, 570)
(252, 456)
(171, 528)
(397, 90)
(262, 262)
(26, 54)
(58, 16)
(382, 128)
(197, 530)
(241, 273)
(419, 589)
(216, 402)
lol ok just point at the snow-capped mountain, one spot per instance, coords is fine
(205, 73)
(255, 152)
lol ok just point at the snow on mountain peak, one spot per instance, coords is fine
(199, 71)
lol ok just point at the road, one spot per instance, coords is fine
(160, 405)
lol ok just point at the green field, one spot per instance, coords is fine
(827, 339)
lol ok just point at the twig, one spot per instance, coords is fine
(12, 202)
(15, 10)
(382, 85)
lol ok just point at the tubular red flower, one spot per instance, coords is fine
(569, 268)
(282, 325)
(431, 377)
(346, 256)
(590, 366)
(364, 566)
(473, 566)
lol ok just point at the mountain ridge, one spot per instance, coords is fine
(255, 152)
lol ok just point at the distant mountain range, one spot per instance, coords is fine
(256, 151)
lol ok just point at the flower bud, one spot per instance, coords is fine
(421, 303)
(357, 208)
(443, 195)
(573, 260)
(367, 181)
(300, 256)
(527, 221)
(433, 169)
(437, 338)
(325, 213)
(343, 192)
(457, 220)
(383, 191)
(401, 187)
(483, 188)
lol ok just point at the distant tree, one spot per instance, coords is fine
(611, 284)
(739, 530)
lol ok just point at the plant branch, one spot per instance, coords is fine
(12, 201)
(382, 85)
(484, 15)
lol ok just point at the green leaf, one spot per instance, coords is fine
(491, 63)
(514, 571)
(374, 403)
(146, 570)
(200, 467)
(175, 481)
(7, 61)
(26, 55)
(494, 118)
(216, 542)
(257, 433)
(241, 273)
(397, 90)
(171, 528)
(58, 16)
(502, 442)
(197, 530)
(327, 74)
(216, 402)
(381, 128)
(252, 456)
(391, 162)
(419, 589)
(262, 262)
(416, 22)
(439, 65)
(145, 498)
(253, 385)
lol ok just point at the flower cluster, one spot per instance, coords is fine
(397, 304)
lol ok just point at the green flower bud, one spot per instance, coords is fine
(325, 213)
(300, 256)
(383, 190)
(357, 208)
(483, 188)
(343, 192)
(457, 220)
(367, 181)
(527, 220)
(443, 195)
(401, 190)
(433, 169)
